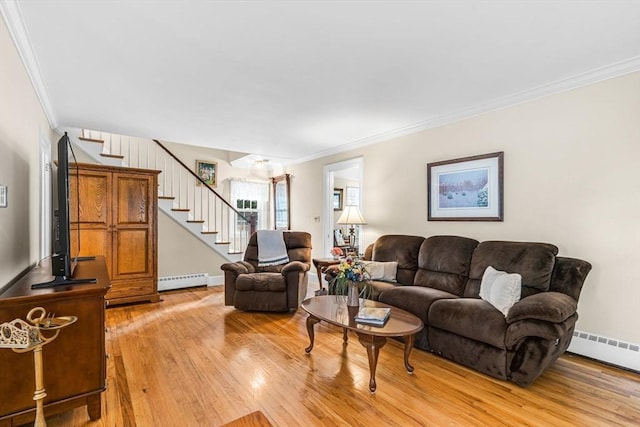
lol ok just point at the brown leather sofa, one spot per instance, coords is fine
(274, 288)
(438, 280)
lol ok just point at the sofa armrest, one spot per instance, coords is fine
(294, 266)
(552, 307)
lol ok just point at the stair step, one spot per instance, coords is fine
(99, 141)
(196, 221)
(180, 210)
(166, 197)
(112, 156)
(208, 232)
(222, 243)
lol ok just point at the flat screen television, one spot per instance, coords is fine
(65, 254)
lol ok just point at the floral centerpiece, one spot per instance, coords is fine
(351, 274)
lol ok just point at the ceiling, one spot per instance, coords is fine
(298, 80)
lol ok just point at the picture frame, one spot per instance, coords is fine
(466, 189)
(337, 199)
(208, 172)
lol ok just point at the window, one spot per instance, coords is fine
(251, 199)
(353, 196)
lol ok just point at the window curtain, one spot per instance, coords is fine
(253, 191)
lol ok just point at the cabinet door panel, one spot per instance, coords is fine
(94, 193)
(93, 215)
(133, 236)
(132, 256)
(134, 200)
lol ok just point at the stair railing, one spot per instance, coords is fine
(190, 193)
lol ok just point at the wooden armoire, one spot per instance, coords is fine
(117, 218)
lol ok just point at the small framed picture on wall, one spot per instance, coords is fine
(207, 171)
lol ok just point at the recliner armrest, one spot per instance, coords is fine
(294, 266)
(552, 307)
(240, 267)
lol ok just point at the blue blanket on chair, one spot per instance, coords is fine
(271, 248)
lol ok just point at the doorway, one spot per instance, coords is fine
(345, 176)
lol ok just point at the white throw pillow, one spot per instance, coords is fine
(500, 289)
(379, 270)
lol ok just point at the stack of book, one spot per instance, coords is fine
(376, 316)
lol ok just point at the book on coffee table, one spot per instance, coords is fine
(376, 316)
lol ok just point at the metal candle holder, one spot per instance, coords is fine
(22, 337)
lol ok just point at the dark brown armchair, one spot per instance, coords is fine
(283, 287)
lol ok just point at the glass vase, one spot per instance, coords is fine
(353, 294)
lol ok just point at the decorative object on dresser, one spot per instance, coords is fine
(118, 219)
(466, 189)
(23, 337)
(75, 362)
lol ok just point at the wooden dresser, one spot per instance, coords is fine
(74, 363)
(118, 219)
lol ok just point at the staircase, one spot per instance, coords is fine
(182, 195)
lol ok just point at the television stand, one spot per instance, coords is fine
(61, 281)
(71, 380)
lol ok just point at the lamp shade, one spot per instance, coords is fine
(351, 215)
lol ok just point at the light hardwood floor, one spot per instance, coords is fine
(191, 361)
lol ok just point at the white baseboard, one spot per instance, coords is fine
(605, 349)
(183, 281)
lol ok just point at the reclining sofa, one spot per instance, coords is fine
(439, 280)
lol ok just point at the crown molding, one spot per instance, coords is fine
(13, 19)
(596, 75)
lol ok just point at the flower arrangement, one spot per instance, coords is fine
(350, 270)
(337, 252)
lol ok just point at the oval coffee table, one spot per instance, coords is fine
(333, 309)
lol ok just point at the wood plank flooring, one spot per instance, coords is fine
(191, 361)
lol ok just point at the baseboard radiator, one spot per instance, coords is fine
(183, 281)
(608, 350)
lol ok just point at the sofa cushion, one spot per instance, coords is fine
(262, 282)
(533, 261)
(470, 317)
(500, 289)
(443, 263)
(400, 248)
(381, 270)
(414, 299)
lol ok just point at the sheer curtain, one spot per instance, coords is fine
(251, 198)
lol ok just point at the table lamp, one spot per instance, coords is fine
(351, 216)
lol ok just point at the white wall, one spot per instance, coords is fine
(571, 179)
(22, 125)
(180, 252)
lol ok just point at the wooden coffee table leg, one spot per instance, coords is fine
(373, 344)
(310, 322)
(408, 346)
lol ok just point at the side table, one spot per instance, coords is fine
(321, 265)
